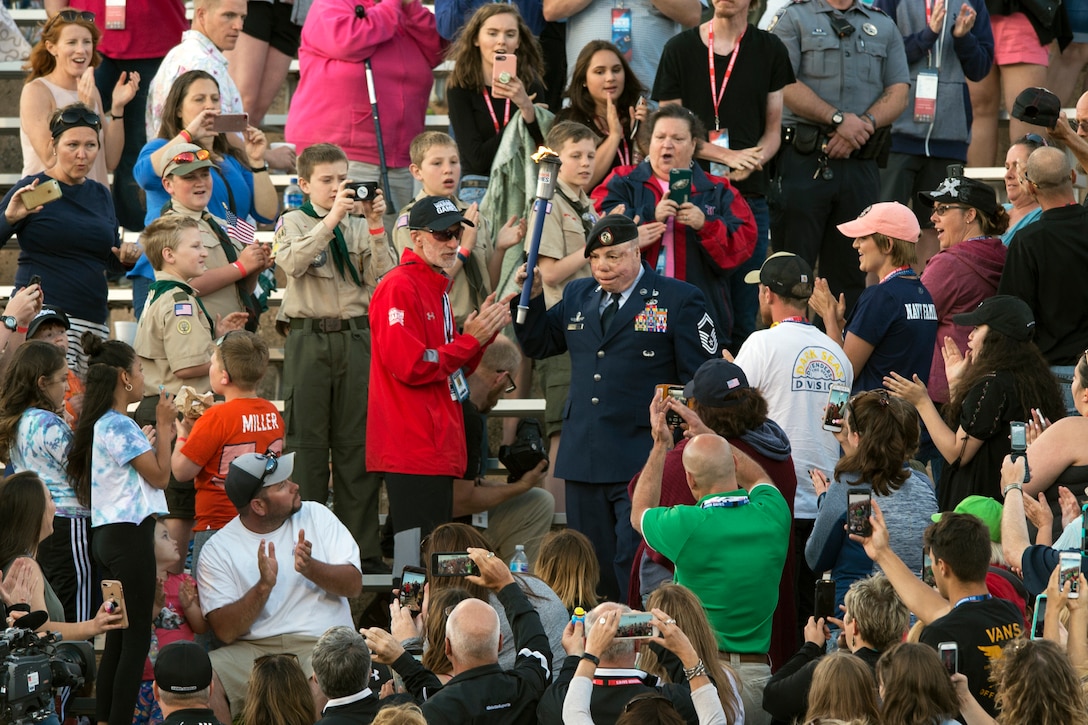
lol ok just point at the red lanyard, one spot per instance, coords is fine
(929, 10)
(797, 318)
(624, 152)
(897, 272)
(715, 95)
(491, 110)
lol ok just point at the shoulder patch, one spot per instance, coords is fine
(183, 309)
(402, 220)
(180, 296)
(708, 336)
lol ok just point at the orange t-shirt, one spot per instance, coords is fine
(224, 432)
(75, 390)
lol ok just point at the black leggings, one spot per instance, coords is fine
(125, 552)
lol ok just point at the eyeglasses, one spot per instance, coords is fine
(634, 701)
(1075, 124)
(75, 117)
(188, 157)
(445, 235)
(512, 386)
(942, 209)
(69, 16)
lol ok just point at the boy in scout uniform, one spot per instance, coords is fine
(332, 260)
(174, 337)
(232, 268)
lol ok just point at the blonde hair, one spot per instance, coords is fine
(842, 686)
(568, 564)
(164, 233)
(406, 714)
(682, 605)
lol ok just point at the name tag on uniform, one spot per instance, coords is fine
(652, 319)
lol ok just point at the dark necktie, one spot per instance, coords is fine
(609, 311)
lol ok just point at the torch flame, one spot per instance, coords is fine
(545, 154)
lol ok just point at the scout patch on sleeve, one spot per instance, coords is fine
(708, 336)
(652, 319)
(184, 327)
(183, 309)
(396, 317)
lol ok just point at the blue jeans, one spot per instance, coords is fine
(742, 296)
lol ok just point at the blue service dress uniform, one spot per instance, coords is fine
(661, 334)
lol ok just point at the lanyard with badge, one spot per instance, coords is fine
(458, 383)
(115, 14)
(719, 136)
(925, 88)
(491, 109)
(621, 30)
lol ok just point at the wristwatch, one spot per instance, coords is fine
(837, 117)
(10, 322)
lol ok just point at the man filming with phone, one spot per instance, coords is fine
(729, 548)
(480, 689)
(961, 610)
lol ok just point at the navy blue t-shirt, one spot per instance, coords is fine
(898, 318)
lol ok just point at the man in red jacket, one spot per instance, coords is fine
(418, 376)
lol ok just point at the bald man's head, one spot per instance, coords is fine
(1050, 173)
(708, 460)
(473, 633)
(621, 653)
(1082, 115)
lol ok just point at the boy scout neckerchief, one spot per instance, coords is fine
(338, 248)
(161, 286)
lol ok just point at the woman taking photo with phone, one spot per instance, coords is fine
(606, 96)
(240, 179)
(482, 92)
(1000, 378)
(676, 236)
(879, 436)
(124, 470)
(68, 233)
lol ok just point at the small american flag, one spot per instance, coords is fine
(239, 230)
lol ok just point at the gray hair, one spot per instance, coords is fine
(475, 641)
(619, 647)
(341, 662)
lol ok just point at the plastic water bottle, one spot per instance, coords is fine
(292, 195)
(519, 563)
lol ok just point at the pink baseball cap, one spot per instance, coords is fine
(889, 218)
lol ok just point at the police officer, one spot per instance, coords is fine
(627, 329)
(852, 83)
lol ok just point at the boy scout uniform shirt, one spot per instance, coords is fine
(315, 287)
(224, 301)
(563, 234)
(173, 334)
(460, 292)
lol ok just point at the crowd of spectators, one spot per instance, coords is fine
(690, 434)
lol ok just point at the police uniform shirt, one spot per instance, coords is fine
(223, 301)
(315, 287)
(460, 292)
(173, 334)
(848, 73)
(563, 234)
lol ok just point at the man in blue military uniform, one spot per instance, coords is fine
(852, 84)
(627, 329)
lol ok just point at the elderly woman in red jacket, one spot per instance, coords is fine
(700, 240)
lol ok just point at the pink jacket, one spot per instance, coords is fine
(332, 104)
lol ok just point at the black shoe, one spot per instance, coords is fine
(375, 565)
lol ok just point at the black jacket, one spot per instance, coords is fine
(489, 694)
(360, 712)
(786, 693)
(611, 692)
(191, 716)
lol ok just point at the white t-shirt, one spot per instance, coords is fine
(228, 569)
(793, 364)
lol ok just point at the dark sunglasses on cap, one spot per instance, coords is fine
(70, 16)
(73, 118)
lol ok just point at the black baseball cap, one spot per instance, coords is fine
(1009, 315)
(714, 381)
(251, 472)
(785, 274)
(435, 213)
(183, 667)
(1037, 106)
(48, 313)
(969, 192)
(610, 230)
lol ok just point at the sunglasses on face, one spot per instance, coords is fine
(445, 235)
